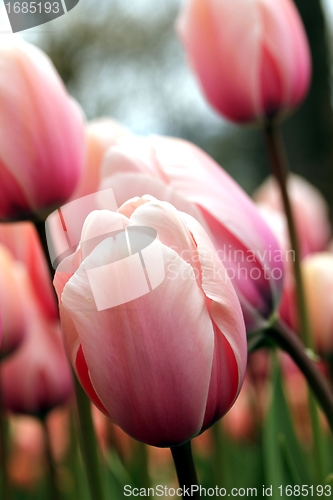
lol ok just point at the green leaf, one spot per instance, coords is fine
(285, 459)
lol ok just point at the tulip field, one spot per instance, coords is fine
(163, 333)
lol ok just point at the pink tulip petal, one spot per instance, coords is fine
(281, 22)
(13, 321)
(84, 377)
(171, 230)
(43, 141)
(100, 134)
(225, 309)
(224, 382)
(24, 244)
(156, 389)
(211, 31)
(37, 376)
(182, 174)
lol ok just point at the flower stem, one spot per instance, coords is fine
(279, 165)
(52, 470)
(4, 451)
(185, 468)
(40, 228)
(88, 443)
(288, 341)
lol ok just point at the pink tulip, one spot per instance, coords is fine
(309, 208)
(251, 56)
(100, 134)
(42, 132)
(22, 241)
(318, 282)
(176, 171)
(37, 377)
(13, 324)
(167, 364)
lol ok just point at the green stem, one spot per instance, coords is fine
(4, 451)
(141, 458)
(279, 165)
(185, 468)
(217, 457)
(289, 342)
(52, 470)
(40, 228)
(88, 443)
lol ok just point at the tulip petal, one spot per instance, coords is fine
(37, 376)
(224, 383)
(151, 376)
(24, 244)
(225, 309)
(170, 227)
(282, 23)
(192, 182)
(42, 144)
(211, 31)
(13, 321)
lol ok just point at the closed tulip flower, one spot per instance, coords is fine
(318, 282)
(309, 207)
(176, 171)
(251, 57)
(167, 364)
(37, 377)
(42, 133)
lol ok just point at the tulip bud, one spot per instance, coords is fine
(176, 171)
(318, 283)
(42, 132)
(153, 326)
(251, 57)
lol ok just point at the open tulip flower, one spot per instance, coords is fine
(167, 364)
(177, 171)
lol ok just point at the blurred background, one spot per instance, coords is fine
(122, 59)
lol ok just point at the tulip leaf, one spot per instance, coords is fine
(286, 462)
(117, 476)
